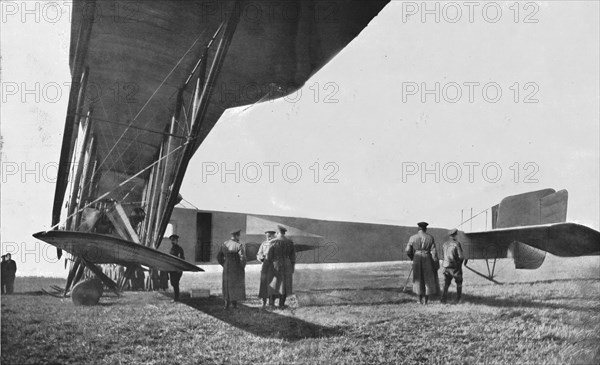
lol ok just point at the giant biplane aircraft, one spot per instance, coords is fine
(144, 98)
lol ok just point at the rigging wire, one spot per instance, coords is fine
(132, 127)
(190, 203)
(189, 140)
(117, 187)
(146, 124)
(274, 89)
(471, 218)
(151, 97)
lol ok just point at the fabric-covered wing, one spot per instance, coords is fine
(133, 58)
(560, 239)
(103, 249)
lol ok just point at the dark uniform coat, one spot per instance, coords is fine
(421, 248)
(175, 276)
(232, 256)
(8, 275)
(266, 271)
(3, 274)
(453, 259)
(283, 256)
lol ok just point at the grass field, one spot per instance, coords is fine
(357, 314)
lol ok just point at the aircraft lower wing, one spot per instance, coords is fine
(560, 239)
(104, 249)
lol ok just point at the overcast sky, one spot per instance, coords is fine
(518, 110)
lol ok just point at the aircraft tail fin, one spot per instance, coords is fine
(529, 209)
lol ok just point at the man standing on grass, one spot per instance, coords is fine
(421, 250)
(232, 256)
(266, 271)
(283, 256)
(453, 259)
(9, 268)
(175, 276)
(3, 274)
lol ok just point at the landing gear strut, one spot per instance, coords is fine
(490, 273)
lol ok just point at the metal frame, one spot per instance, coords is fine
(491, 273)
(199, 112)
(166, 177)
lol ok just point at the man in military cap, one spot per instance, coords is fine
(232, 256)
(175, 276)
(266, 271)
(283, 256)
(3, 274)
(453, 259)
(421, 250)
(10, 270)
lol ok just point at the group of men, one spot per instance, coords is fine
(422, 251)
(278, 258)
(9, 271)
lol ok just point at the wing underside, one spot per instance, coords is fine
(560, 239)
(105, 249)
(139, 69)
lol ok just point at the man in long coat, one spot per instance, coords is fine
(283, 256)
(10, 270)
(421, 250)
(3, 274)
(266, 271)
(232, 256)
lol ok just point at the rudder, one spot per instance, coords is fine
(528, 209)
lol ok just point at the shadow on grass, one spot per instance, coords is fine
(549, 281)
(354, 296)
(268, 324)
(493, 301)
(35, 293)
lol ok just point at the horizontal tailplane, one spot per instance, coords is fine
(560, 239)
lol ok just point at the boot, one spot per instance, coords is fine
(458, 293)
(176, 292)
(282, 301)
(444, 295)
(426, 299)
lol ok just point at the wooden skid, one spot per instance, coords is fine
(53, 294)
